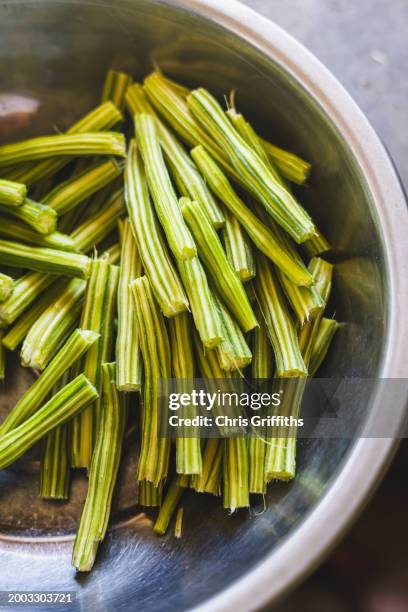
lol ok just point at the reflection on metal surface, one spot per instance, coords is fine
(16, 113)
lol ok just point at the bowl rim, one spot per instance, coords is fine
(369, 459)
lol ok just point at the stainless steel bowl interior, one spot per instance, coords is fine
(57, 53)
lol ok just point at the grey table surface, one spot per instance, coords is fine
(365, 45)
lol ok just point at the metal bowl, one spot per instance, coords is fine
(54, 55)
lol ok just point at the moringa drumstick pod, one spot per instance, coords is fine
(97, 143)
(54, 325)
(154, 343)
(185, 173)
(215, 260)
(101, 118)
(188, 451)
(128, 357)
(68, 402)
(161, 189)
(6, 286)
(277, 200)
(12, 193)
(42, 259)
(72, 192)
(262, 236)
(98, 314)
(157, 265)
(103, 472)
(12, 229)
(78, 343)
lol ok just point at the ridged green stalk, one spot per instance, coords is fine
(280, 326)
(121, 229)
(54, 325)
(233, 352)
(158, 267)
(154, 342)
(324, 336)
(210, 369)
(323, 274)
(149, 496)
(203, 306)
(290, 165)
(238, 248)
(96, 228)
(235, 474)
(79, 342)
(54, 465)
(262, 364)
(317, 245)
(12, 193)
(6, 286)
(209, 481)
(267, 241)
(73, 398)
(235, 451)
(26, 289)
(168, 507)
(99, 199)
(178, 88)
(128, 357)
(108, 331)
(72, 192)
(165, 200)
(39, 217)
(250, 136)
(277, 200)
(170, 97)
(306, 302)
(247, 132)
(188, 450)
(102, 473)
(173, 108)
(280, 460)
(42, 259)
(101, 118)
(16, 230)
(178, 527)
(115, 88)
(297, 169)
(89, 207)
(96, 143)
(188, 179)
(262, 354)
(214, 258)
(98, 315)
(2, 357)
(16, 334)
